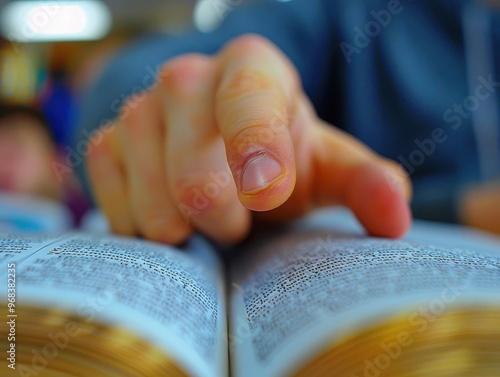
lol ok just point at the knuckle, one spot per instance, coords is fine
(248, 43)
(254, 135)
(245, 81)
(181, 72)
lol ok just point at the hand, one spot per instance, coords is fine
(480, 207)
(228, 136)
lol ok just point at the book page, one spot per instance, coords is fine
(306, 288)
(15, 247)
(171, 298)
(343, 221)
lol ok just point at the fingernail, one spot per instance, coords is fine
(259, 173)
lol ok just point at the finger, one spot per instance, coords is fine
(255, 81)
(383, 211)
(301, 129)
(142, 138)
(199, 175)
(108, 181)
(347, 172)
(479, 207)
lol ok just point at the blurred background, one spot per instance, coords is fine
(49, 68)
(50, 53)
(411, 80)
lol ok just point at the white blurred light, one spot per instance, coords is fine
(51, 21)
(209, 14)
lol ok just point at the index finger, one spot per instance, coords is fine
(255, 82)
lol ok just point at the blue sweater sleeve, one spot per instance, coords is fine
(301, 29)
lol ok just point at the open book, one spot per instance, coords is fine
(315, 298)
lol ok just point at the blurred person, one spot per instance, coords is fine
(405, 83)
(27, 156)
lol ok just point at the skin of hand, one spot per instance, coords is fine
(221, 139)
(480, 207)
